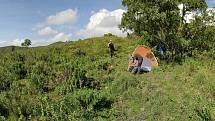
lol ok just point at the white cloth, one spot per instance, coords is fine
(146, 66)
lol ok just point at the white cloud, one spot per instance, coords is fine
(103, 22)
(15, 42)
(58, 21)
(38, 42)
(189, 16)
(63, 17)
(56, 38)
(4, 43)
(60, 37)
(47, 31)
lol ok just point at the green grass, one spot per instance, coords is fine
(170, 93)
(73, 81)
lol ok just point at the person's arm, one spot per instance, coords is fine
(114, 48)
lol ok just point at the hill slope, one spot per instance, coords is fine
(9, 49)
(78, 81)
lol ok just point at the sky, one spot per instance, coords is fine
(48, 21)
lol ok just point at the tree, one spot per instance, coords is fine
(201, 31)
(161, 19)
(26, 43)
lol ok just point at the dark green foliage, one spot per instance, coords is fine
(204, 114)
(10, 49)
(6, 79)
(26, 43)
(4, 111)
(109, 35)
(102, 104)
(166, 25)
(40, 75)
(19, 70)
(81, 81)
(79, 53)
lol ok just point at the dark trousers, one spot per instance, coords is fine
(136, 70)
(111, 52)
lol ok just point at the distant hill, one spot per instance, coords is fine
(14, 48)
(9, 48)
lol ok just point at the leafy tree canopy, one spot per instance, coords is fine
(164, 21)
(26, 43)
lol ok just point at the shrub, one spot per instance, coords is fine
(4, 112)
(79, 53)
(40, 75)
(6, 79)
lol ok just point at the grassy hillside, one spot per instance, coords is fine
(79, 81)
(9, 49)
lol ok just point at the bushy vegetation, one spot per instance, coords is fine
(165, 23)
(79, 81)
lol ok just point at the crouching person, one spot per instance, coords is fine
(133, 65)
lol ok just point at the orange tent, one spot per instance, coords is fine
(145, 52)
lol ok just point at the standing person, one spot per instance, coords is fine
(111, 48)
(159, 49)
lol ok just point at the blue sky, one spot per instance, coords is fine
(48, 21)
